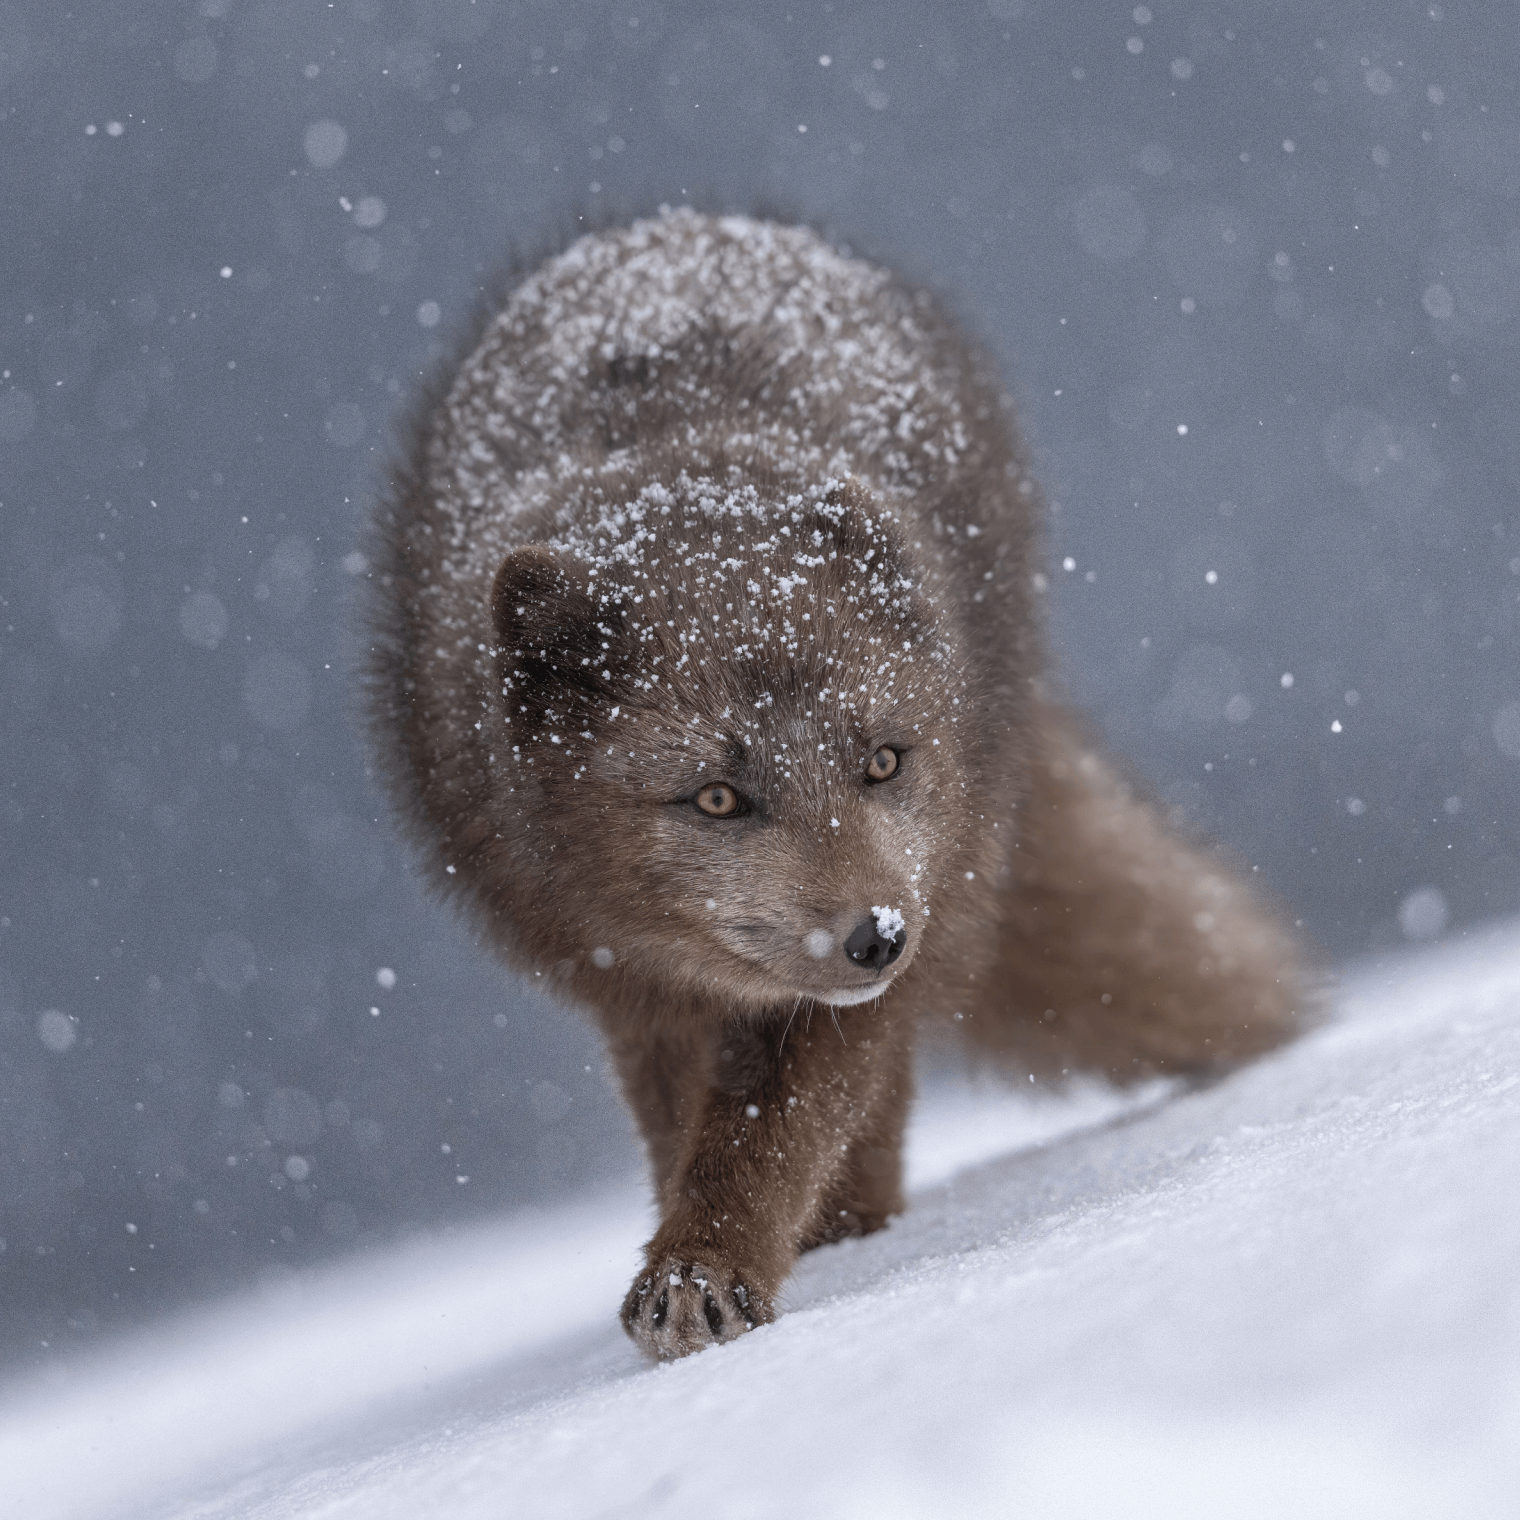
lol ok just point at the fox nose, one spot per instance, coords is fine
(870, 949)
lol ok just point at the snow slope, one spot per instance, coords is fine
(1293, 1294)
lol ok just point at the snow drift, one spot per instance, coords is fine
(1291, 1294)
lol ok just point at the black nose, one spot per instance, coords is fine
(870, 949)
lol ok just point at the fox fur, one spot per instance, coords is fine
(714, 514)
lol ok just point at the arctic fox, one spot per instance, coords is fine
(708, 669)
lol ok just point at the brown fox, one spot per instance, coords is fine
(707, 669)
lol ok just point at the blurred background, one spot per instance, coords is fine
(1254, 273)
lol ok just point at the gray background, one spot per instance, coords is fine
(236, 232)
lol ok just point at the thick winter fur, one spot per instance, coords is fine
(711, 503)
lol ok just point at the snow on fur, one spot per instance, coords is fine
(516, 456)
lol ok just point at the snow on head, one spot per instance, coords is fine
(636, 302)
(539, 420)
(813, 401)
(889, 922)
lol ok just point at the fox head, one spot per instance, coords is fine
(729, 744)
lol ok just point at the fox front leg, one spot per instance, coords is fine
(766, 1151)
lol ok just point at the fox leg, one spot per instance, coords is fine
(773, 1137)
(665, 1073)
(869, 1190)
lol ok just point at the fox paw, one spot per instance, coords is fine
(682, 1306)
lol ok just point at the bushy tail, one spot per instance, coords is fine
(1126, 949)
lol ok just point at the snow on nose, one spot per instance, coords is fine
(870, 949)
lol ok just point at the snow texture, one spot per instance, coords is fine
(1291, 1294)
(889, 921)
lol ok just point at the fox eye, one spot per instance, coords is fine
(718, 800)
(882, 765)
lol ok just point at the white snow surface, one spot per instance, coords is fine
(1291, 1294)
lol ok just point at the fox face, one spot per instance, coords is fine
(734, 730)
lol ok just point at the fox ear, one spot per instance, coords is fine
(551, 627)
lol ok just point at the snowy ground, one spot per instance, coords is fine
(1294, 1294)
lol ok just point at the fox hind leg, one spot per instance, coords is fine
(869, 1188)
